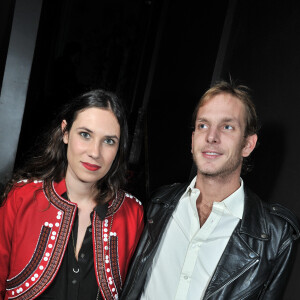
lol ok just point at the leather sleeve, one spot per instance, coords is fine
(276, 284)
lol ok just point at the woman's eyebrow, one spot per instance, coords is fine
(111, 137)
(85, 129)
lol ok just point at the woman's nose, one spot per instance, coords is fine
(94, 150)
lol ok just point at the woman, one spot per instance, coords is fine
(67, 230)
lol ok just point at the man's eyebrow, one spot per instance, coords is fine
(201, 120)
(226, 119)
(234, 120)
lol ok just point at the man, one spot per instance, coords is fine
(213, 238)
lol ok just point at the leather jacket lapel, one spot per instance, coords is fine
(161, 210)
(237, 258)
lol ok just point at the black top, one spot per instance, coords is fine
(76, 279)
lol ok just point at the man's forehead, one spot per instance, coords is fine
(223, 106)
(225, 99)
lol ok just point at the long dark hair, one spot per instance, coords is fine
(50, 161)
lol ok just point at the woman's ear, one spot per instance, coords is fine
(65, 132)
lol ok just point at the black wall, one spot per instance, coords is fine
(184, 70)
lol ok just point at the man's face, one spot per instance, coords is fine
(218, 142)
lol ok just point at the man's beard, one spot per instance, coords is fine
(228, 168)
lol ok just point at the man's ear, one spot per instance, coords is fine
(65, 132)
(250, 144)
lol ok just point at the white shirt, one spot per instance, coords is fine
(188, 255)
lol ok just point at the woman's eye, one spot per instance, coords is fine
(85, 135)
(228, 127)
(109, 141)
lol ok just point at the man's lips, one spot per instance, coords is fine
(90, 167)
(211, 154)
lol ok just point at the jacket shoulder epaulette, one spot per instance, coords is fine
(284, 213)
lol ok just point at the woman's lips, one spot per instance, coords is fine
(90, 167)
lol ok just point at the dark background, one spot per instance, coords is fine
(159, 57)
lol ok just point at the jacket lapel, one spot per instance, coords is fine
(162, 209)
(238, 256)
(229, 268)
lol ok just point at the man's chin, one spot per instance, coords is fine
(210, 173)
(218, 173)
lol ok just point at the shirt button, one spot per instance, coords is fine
(74, 281)
(186, 277)
(82, 255)
(90, 229)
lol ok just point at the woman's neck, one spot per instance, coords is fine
(80, 192)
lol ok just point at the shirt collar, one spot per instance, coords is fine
(234, 203)
(190, 188)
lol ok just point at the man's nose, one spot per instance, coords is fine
(213, 135)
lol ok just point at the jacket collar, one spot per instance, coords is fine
(253, 209)
(168, 195)
(254, 214)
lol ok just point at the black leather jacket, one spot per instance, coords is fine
(255, 263)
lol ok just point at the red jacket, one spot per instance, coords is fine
(35, 226)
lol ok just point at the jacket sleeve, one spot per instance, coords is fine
(140, 226)
(277, 281)
(8, 214)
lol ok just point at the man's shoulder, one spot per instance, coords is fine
(278, 212)
(166, 191)
(276, 215)
(165, 197)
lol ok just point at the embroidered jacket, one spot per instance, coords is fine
(35, 226)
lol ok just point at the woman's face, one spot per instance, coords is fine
(93, 142)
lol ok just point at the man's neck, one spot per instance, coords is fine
(214, 189)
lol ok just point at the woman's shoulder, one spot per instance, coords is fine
(26, 186)
(129, 197)
(131, 206)
(127, 201)
(22, 192)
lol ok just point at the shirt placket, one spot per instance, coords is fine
(198, 237)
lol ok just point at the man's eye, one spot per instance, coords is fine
(85, 135)
(202, 126)
(109, 141)
(228, 127)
